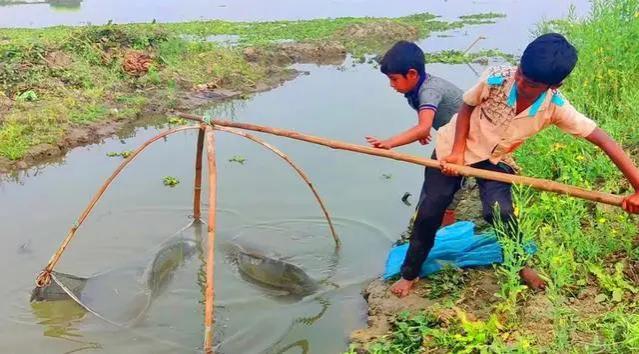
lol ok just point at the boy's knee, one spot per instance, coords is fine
(433, 206)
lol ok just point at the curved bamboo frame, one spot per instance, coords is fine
(297, 169)
(44, 278)
(205, 134)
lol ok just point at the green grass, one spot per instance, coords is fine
(425, 332)
(584, 249)
(13, 145)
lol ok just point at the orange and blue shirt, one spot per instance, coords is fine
(495, 128)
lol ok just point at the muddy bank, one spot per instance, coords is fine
(146, 84)
(383, 307)
(275, 61)
(476, 300)
(154, 113)
(536, 313)
(475, 295)
(64, 87)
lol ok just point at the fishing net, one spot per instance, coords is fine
(123, 295)
(158, 295)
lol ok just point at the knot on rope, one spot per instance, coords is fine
(43, 279)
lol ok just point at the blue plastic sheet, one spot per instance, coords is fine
(456, 245)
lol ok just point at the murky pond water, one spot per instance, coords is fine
(261, 200)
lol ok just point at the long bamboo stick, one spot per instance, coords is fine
(542, 184)
(297, 169)
(44, 278)
(210, 262)
(197, 189)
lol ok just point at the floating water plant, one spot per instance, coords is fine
(170, 181)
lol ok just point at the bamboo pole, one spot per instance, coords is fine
(297, 169)
(473, 44)
(44, 278)
(542, 184)
(197, 189)
(210, 262)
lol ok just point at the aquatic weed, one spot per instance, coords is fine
(123, 154)
(239, 159)
(170, 181)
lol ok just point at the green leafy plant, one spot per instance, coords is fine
(448, 281)
(29, 96)
(615, 285)
(407, 335)
(170, 181)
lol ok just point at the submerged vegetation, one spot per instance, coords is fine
(57, 78)
(587, 252)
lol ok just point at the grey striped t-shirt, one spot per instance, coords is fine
(439, 95)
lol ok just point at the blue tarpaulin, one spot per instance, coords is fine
(456, 245)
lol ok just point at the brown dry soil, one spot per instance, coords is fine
(276, 59)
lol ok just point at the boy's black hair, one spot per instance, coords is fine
(402, 57)
(548, 59)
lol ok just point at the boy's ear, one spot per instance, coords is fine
(412, 73)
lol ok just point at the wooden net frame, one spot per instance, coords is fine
(206, 136)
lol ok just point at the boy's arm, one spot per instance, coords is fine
(622, 161)
(462, 127)
(418, 132)
(473, 97)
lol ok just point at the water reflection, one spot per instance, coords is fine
(59, 320)
(302, 344)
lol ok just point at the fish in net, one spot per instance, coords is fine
(122, 295)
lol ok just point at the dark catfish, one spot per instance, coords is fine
(275, 273)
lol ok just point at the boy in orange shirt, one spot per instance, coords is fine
(507, 106)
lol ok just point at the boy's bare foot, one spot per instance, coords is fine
(532, 279)
(402, 287)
